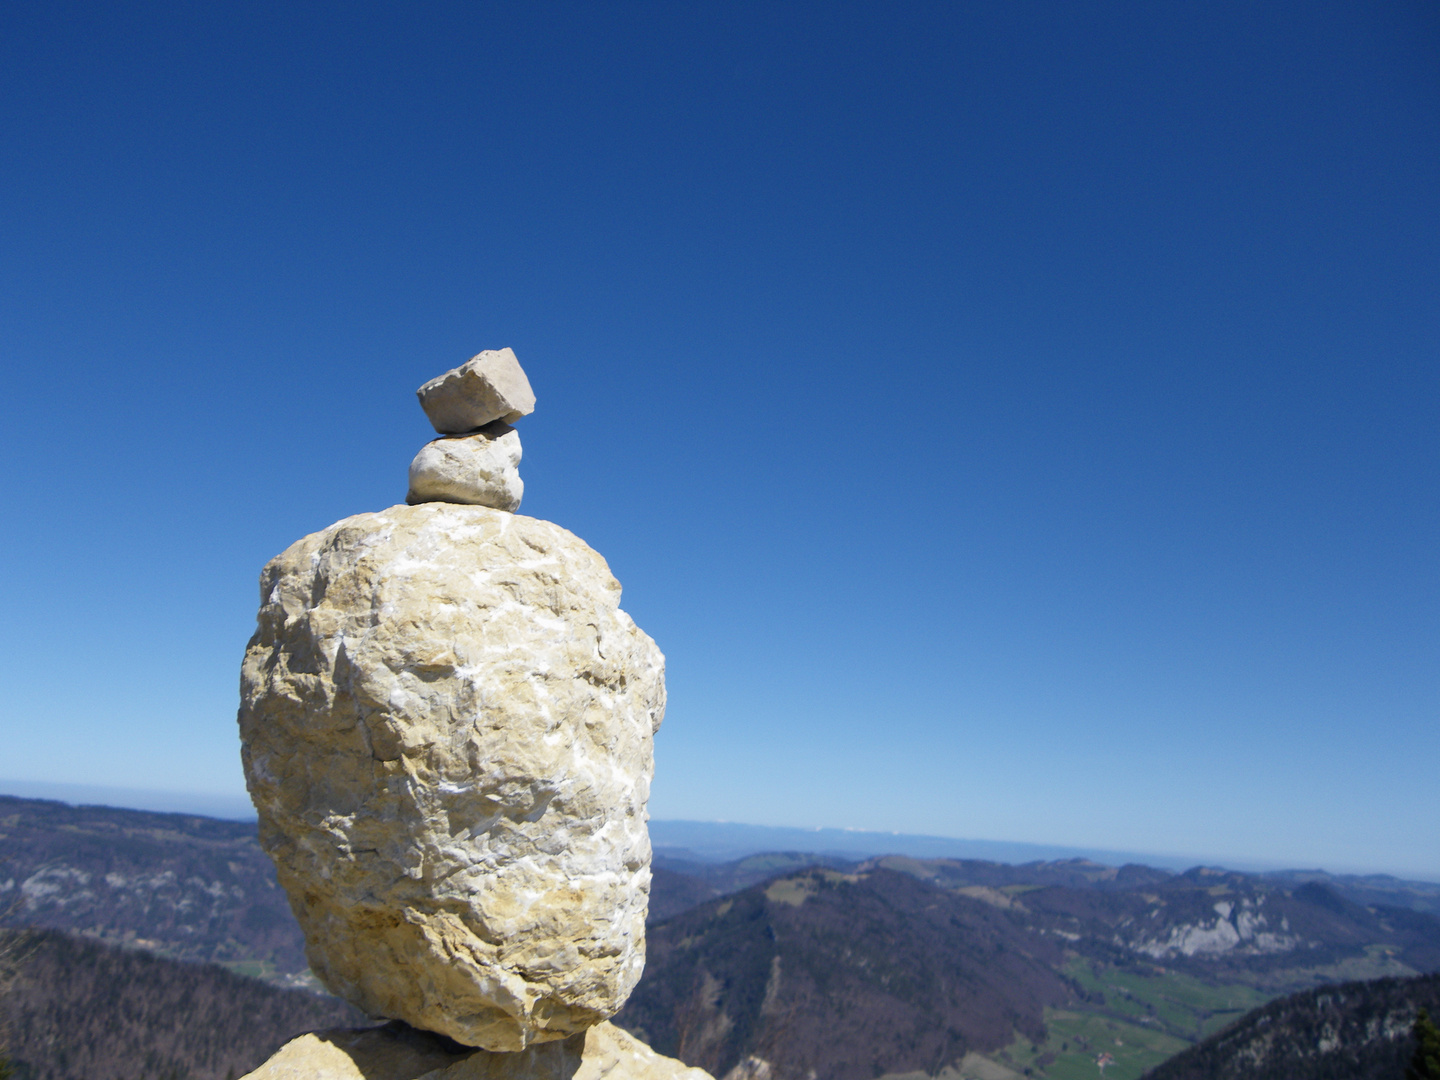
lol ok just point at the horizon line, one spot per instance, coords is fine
(236, 807)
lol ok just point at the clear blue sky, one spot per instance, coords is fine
(1013, 420)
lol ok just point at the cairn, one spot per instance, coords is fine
(447, 730)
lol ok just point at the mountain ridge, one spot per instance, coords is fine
(725, 840)
(1140, 963)
(1132, 961)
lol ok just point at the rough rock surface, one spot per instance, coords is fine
(447, 731)
(489, 386)
(481, 469)
(395, 1052)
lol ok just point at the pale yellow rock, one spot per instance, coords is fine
(447, 728)
(479, 469)
(491, 385)
(612, 1053)
(394, 1052)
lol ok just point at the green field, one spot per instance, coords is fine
(1138, 1019)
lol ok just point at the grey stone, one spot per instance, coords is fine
(489, 386)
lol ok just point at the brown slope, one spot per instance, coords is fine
(842, 977)
(680, 884)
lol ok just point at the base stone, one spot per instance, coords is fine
(397, 1051)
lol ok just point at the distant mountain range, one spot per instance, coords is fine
(714, 841)
(723, 841)
(231, 807)
(788, 964)
(695, 842)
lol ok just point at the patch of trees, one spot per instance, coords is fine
(79, 1009)
(1353, 1031)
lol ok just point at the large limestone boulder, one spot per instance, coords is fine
(491, 385)
(395, 1052)
(480, 469)
(447, 731)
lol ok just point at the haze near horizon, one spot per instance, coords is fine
(1013, 421)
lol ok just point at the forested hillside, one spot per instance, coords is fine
(843, 976)
(180, 885)
(1354, 1031)
(900, 965)
(82, 1010)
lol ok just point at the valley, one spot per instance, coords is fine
(793, 963)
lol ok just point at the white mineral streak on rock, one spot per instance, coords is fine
(489, 386)
(480, 469)
(605, 1052)
(447, 726)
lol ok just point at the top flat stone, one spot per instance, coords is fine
(489, 386)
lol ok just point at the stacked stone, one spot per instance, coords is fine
(447, 729)
(476, 460)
